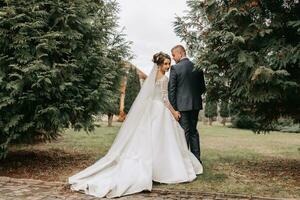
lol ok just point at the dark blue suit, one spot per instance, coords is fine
(186, 85)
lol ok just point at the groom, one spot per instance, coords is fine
(186, 85)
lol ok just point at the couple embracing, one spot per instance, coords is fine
(158, 141)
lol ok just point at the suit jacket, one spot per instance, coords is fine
(186, 85)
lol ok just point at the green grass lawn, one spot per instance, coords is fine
(235, 160)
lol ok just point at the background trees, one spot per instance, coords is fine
(132, 88)
(250, 52)
(59, 65)
(211, 111)
(224, 111)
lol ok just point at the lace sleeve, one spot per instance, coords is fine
(164, 93)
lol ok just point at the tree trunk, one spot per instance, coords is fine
(210, 121)
(110, 119)
(223, 121)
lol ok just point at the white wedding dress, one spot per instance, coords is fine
(150, 146)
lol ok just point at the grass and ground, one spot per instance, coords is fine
(235, 160)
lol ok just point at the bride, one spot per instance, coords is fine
(150, 145)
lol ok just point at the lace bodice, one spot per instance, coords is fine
(161, 91)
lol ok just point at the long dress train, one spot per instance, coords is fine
(152, 148)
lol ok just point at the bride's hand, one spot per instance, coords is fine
(177, 115)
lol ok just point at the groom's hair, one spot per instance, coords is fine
(180, 47)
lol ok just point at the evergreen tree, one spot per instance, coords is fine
(132, 88)
(224, 111)
(211, 110)
(118, 46)
(115, 104)
(250, 52)
(59, 66)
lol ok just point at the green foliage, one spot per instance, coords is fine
(211, 109)
(243, 121)
(293, 128)
(250, 53)
(287, 125)
(132, 88)
(59, 65)
(224, 109)
(114, 106)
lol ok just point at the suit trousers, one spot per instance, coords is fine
(188, 122)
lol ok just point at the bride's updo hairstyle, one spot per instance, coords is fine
(160, 57)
